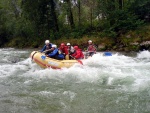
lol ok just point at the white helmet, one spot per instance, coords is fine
(90, 41)
(68, 44)
(55, 46)
(47, 41)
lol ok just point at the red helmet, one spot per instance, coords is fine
(62, 44)
(75, 47)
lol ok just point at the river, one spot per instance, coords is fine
(114, 84)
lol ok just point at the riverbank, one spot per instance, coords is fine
(136, 40)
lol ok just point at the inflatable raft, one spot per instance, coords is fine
(46, 62)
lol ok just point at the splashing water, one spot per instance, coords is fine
(106, 84)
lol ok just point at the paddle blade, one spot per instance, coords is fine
(43, 57)
(80, 62)
(107, 54)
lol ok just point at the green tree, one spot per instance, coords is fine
(141, 9)
(42, 15)
(68, 5)
(118, 18)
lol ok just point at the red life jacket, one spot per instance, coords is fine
(64, 50)
(91, 48)
(78, 54)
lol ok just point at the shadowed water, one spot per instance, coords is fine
(116, 84)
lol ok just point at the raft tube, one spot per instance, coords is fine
(46, 62)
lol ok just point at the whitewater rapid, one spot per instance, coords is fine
(117, 67)
(117, 75)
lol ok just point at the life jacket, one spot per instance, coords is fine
(55, 54)
(64, 50)
(78, 54)
(60, 55)
(48, 47)
(91, 48)
(71, 50)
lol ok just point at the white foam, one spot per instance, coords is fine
(98, 68)
(143, 54)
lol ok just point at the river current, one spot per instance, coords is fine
(104, 84)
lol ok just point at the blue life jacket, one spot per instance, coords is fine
(61, 56)
(56, 55)
(46, 47)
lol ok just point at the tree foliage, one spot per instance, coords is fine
(35, 21)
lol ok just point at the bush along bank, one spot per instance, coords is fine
(131, 41)
(102, 44)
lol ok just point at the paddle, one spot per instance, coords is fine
(72, 57)
(107, 54)
(80, 62)
(43, 57)
(86, 54)
(77, 60)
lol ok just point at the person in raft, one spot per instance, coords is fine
(47, 47)
(55, 54)
(63, 49)
(78, 53)
(70, 50)
(91, 50)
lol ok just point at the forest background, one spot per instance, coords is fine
(122, 25)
